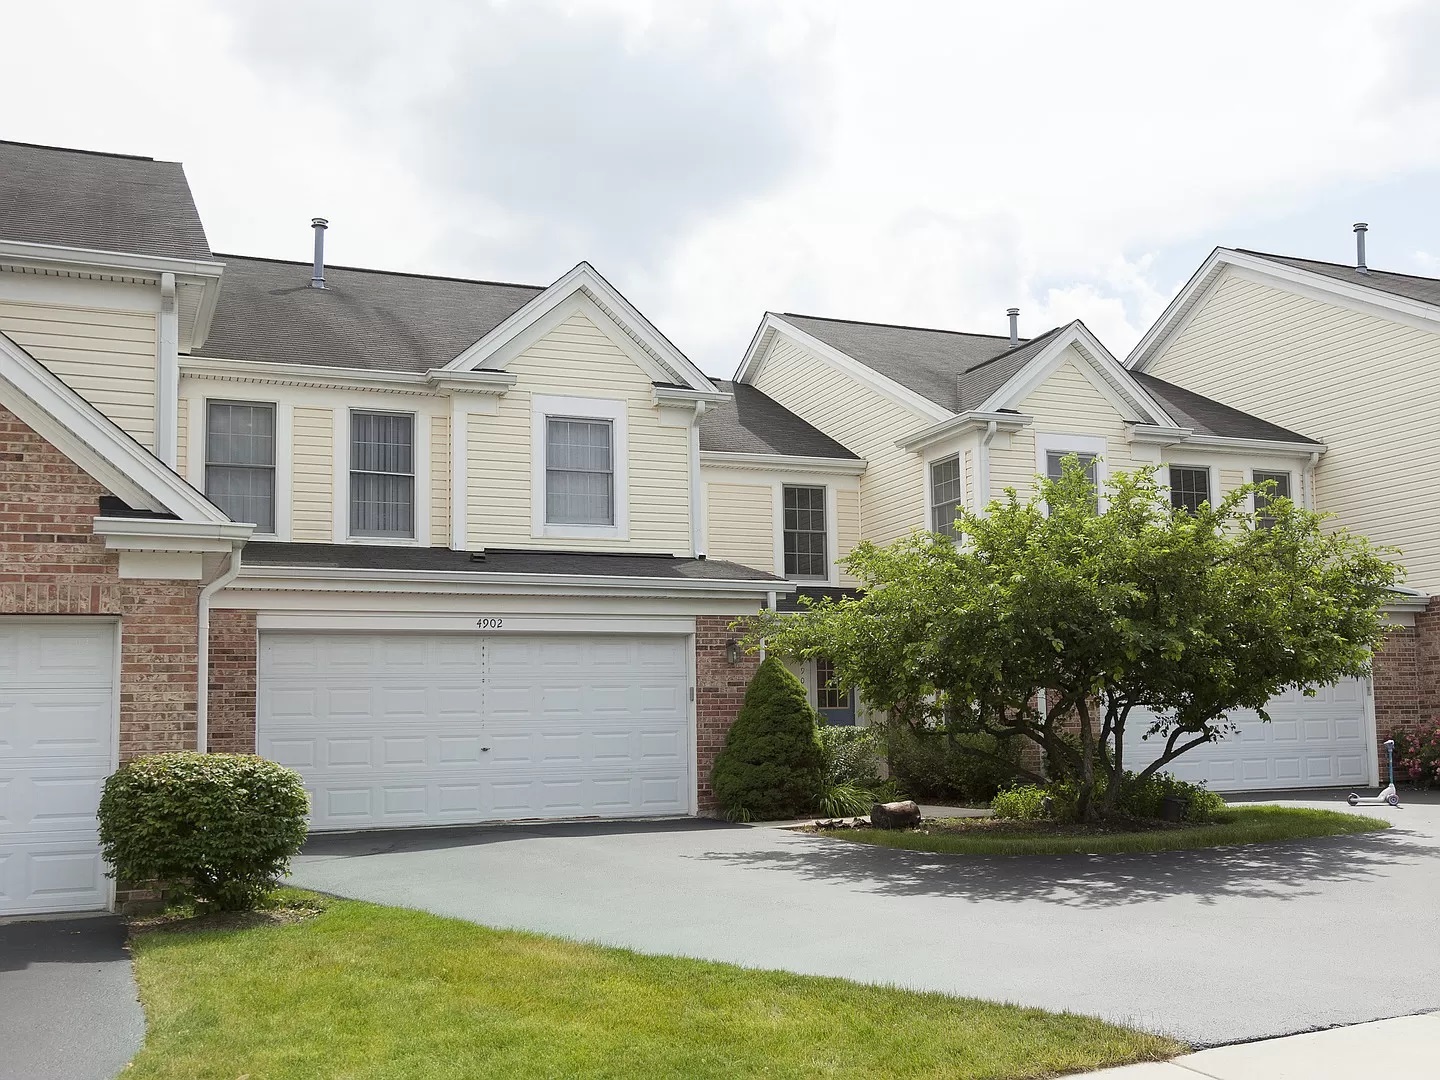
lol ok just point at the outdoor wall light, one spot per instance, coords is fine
(732, 651)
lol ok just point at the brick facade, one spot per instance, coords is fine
(719, 693)
(51, 563)
(234, 656)
(1407, 680)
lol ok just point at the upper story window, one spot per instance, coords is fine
(945, 494)
(1055, 467)
(382, 474)
(579, 471)
(805, 531)
(1189, 487)
(240, 461)
(1280, 490)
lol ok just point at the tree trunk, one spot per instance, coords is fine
(1084, 804)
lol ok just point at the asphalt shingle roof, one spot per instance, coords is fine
(957, 371)
(443, 560)
(373, 320)
(1209, 417)
(752, 423)
(1424, 289)
(102, 202)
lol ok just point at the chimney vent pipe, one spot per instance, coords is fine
(1014, 314)
(317, 276)
(1360, 230)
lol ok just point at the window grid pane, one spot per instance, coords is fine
(579, 472)
(1054, 465)
(804, 527)
(382, 474)
(1189, 487)
(240, 461)
(945, 494)
(1262, 499)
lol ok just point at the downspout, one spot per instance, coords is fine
(202, 649)
(697, 492)
(1310, 479)
(167, 373)
(982, 466)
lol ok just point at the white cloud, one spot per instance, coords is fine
(910, 162)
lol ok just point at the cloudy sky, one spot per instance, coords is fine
(930, 163)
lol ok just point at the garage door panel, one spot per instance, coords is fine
(57, 702)
(1318, 740)
(448, 728)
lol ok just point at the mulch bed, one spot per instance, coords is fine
(991, 826)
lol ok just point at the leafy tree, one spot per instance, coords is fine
(771, 762)
(1099, 607)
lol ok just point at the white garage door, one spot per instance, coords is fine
(57, 702)
(1320, 741)
(417, 729)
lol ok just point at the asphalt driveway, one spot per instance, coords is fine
(68, 1009)
(1212, 946)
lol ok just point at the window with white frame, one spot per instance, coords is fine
(1055, 464)
(382, 474)
(945, 494)
(240, 461)
(1189, 487)
(579, 471)
(1278, 488)
(805, 532)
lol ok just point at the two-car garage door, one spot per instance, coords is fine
(414, 729)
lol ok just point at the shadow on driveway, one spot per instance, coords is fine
(1289, 870)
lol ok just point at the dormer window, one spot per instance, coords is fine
(579, 471)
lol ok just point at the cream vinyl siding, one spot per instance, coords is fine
(892, 493)
(312, 515)
(847, 529)
(1367, 387)
(1067, 403)
(440, 481)
(740, 523)
(108, 357)
(577, 359)
(1230, 479)
(182, 439)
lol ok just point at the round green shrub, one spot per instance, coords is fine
(1025, 802)
(770, 766)
(217, 827)
(949, 766)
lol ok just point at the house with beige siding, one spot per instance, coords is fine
(1350, 354)
(440, 545)
(944, 419)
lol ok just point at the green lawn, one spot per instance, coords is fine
(989, 836)
(366, 992)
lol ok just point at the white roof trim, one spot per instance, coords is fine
(1109, 377)
(1356, 294)
(773, 324)
(80, 431)
(665, 361)
(959, 425)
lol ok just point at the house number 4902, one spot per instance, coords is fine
(489, 622)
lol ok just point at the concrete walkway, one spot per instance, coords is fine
(68, 1009)
(1403, 1047)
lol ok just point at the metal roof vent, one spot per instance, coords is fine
(317, 276)
(1360, 230)
(1014, 314)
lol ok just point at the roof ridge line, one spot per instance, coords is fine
(78, 150)
(900, 326)
(1336, 265)
(375, 270)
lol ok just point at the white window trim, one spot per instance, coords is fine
(197, 420)
(1047, 443)
(1212, 481)
(544, 406)
(420, 461)
(832, 529)
(1294, 496)
(959, 456)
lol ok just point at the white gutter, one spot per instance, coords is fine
(982, 465)
(167, 372)
(341, 577)
(1308, 474)
(202, 649)
(958, 425)
(793, 462)
(697, 492)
